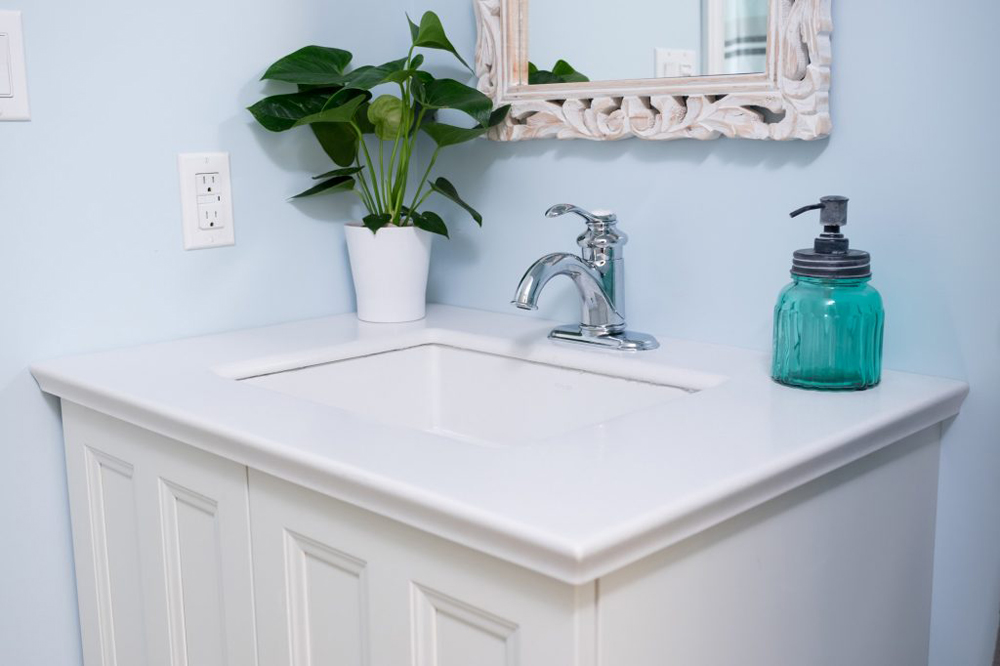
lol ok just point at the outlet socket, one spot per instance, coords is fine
(206, 200)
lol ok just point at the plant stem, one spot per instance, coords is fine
(424, 198)
(369, 202)
(409, 147)
(427, 172)
(380, 182)
(367, 198)
(371, 166)
(404, 122)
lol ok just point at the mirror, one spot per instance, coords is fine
(662, 70)
(637, 39)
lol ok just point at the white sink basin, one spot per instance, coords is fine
(470, 395)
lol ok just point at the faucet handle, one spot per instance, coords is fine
(597, 217)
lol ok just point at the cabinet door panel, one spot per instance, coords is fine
(335, 581)
(161, 541)
(115, 557)
(327, 603)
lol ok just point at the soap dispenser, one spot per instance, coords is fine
(828, 321)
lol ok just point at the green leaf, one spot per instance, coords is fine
(310, 65)
(562, 72)
(279, 112)
(446, 189)
(430, 34)
(498, 115)
(403, 74)
(414, 28)
(337, 184)
(338, 140)
(429, 115)
(361, 119)
(344, 95)
(450, 94)
(376, 221)
(349, 171)
(386, 114)
(430, 221)
(369, 76)
(450, 135)
(338, 114)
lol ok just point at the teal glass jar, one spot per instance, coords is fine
(828, 322)
(828, 334)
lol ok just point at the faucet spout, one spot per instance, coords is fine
(600, 314)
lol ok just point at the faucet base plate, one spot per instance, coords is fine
(622, 340)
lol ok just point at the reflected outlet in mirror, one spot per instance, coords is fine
(470, 395)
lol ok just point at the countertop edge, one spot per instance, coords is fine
(650, 534)
(512, 542)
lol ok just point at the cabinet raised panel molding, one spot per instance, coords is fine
(336, 584)
(161, 537)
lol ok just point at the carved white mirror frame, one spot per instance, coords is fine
(789, 100)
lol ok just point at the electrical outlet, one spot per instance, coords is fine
(206, 200)
(210, 216)
(206, 183)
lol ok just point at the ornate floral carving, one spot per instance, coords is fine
(794, 104)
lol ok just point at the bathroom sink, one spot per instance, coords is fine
(470, 395)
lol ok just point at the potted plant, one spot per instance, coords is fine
(372, 140)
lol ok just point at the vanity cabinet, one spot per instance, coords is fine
(834, 572)
(218, 521)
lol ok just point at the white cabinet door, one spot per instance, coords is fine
(339, 586)
(162, 547)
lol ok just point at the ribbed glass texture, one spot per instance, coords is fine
(828, 334)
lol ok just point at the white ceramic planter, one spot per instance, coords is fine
(390, 272)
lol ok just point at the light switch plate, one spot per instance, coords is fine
(671, 63)
(13, 80)
(206, 200)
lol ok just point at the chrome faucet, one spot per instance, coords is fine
(599, 277)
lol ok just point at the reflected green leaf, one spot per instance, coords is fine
(562, 72)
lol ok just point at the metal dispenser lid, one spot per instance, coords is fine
(830, 255)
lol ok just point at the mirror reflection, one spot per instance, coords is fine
(605, 40)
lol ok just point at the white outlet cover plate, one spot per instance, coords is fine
(13, 79)
(189, 165)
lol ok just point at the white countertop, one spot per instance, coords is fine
(573, 507)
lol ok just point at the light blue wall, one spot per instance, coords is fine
(90, 233)
(90, 236)
(915, 146)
